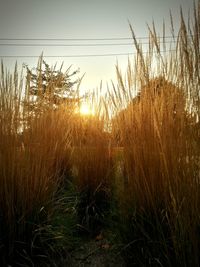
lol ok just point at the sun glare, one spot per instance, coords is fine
(85, 109)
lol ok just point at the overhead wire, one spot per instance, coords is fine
(80, 39)
(81, 55)
(75, 45)
(72, 45)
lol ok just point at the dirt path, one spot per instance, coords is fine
(96, 253)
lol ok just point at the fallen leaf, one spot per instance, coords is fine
(105, 246)
(99, 237)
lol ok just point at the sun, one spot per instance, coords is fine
(85, 109)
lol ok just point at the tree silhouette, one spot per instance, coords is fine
(49, 87)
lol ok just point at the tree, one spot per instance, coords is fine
(48, 87)
(158, 96)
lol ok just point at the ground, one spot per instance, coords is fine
(97, 252)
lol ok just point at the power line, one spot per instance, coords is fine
(119, 44)
(81, 39)
(77, 56)
(71, 45)
(65, 56)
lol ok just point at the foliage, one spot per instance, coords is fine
(50, 87)
(148, 186)
(159, 132)
(31, 161)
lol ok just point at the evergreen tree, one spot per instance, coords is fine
(49, 87)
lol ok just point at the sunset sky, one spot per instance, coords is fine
(81, 19)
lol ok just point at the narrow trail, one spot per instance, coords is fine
(98, 252)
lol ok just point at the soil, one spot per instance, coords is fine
(97, 252)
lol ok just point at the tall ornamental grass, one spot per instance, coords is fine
(34, 154)
(158, 128)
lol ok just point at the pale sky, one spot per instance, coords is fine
(81, 19)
